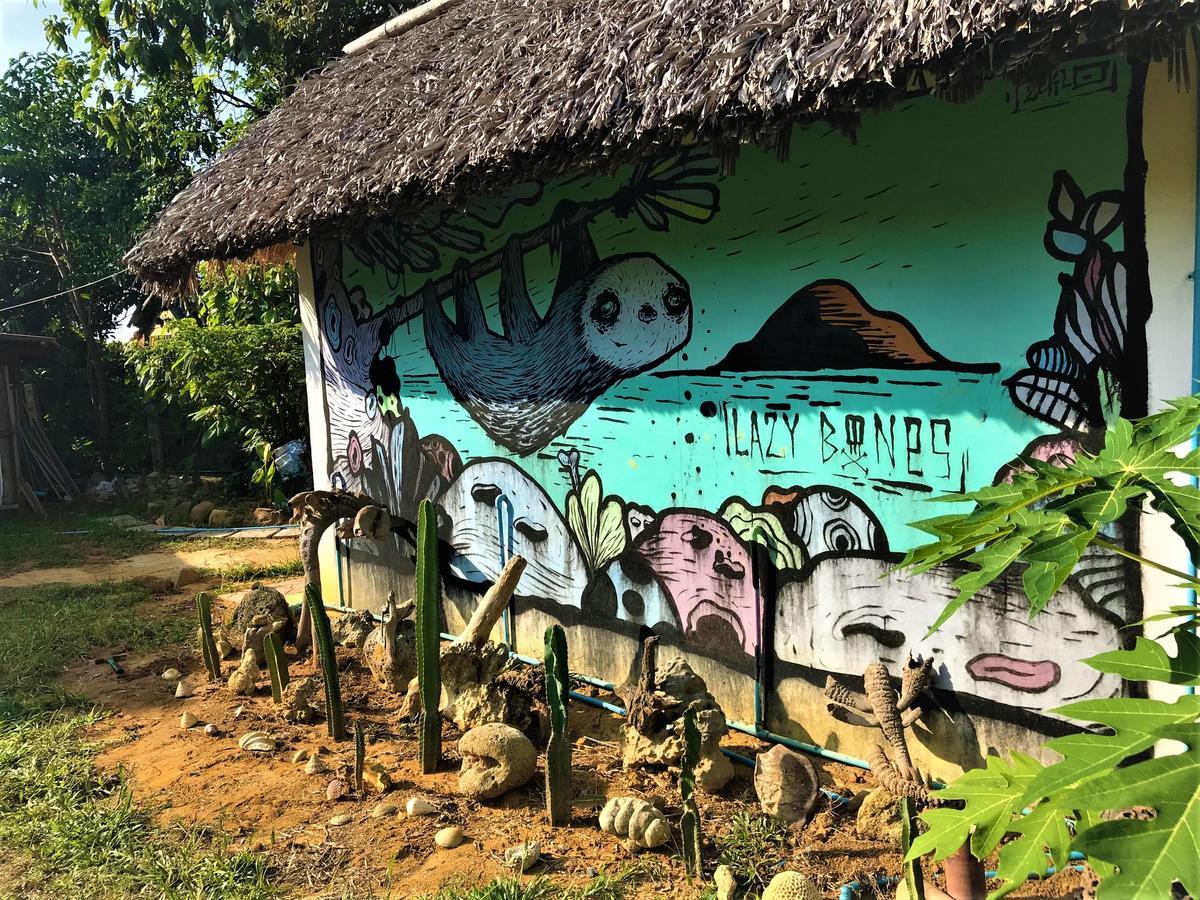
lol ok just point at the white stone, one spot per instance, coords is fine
(343, 819)
(171, 675)
(449, 838)
(383, 810)
(523, 857)
(419, 806)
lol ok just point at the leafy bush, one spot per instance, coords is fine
(244, 380)
(1047, 518)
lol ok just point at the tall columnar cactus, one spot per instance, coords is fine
(276, 664)
(429, 643)
(325, 650)
(208, 645)
(360, 756)
(558, 750)
(690, 823)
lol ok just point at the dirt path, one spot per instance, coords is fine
(165, 564)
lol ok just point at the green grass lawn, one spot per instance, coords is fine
(80, 831)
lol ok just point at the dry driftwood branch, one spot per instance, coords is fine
(493, 604)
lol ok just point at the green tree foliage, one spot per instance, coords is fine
(240, 380)
(1036, 815)
(70, 205)
(226, 61)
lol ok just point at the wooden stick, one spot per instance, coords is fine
(493, 604)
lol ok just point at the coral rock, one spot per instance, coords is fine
(350, 628)
(523, 857)
(878, 816)
(258, 601)
(791, 886)
(187, 575)
(390, 650)
(377, 778)
(449, 838)
(244, 679)
(198, 514)
(222, 518)
(725, 883)
(787, 785)
(638, 820)
(495, 759)
(297, 700)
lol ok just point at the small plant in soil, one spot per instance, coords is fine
(752, 849)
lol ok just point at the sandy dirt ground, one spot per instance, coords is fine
(266, 802)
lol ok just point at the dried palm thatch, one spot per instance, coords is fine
(497, 91)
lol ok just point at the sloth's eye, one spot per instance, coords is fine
(675, 300)
(606, 309)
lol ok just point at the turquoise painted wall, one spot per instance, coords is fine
(934, 215)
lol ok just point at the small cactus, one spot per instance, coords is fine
(690, 823)
(429, 641)
(558, 750)
(276, 665)
(914, 878)
(325, 650)
(208, 646)
(360, 756)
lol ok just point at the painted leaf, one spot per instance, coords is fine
(1149, 661)
(610, 534)
(1153, 853)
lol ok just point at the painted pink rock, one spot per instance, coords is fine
(706, 571)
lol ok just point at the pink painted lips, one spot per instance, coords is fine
(1032, 676)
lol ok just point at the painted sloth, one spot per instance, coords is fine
(609, 319)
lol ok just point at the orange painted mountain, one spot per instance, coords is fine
(828, 325)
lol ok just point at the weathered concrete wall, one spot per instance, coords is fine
(712, 404)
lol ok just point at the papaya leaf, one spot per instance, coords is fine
(1149, 661)
(1136, 725)
(1150, 854)
(1043, 840)
(991, 798)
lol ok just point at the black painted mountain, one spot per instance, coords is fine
(828, 325)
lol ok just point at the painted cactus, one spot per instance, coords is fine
(558, 750)
(325, 650)
(208, 645)
(276, 665)
(429, 642)
(690, 823)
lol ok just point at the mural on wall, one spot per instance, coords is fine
(710, 405)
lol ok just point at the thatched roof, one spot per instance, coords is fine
(497, 91)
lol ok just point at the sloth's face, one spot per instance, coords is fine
(635, 313)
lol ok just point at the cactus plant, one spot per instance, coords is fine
(360, 756)
(208, 646)
(325, 650)
(690, 823)
(429, 646)
(558, 750)
(914, 878)
(277, 665)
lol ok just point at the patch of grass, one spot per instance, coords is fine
(45, 629)
(241, 573)
(604, 886)
(30, 542)
(752, 849)
(79, 831)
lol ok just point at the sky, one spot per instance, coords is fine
(21, 26)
